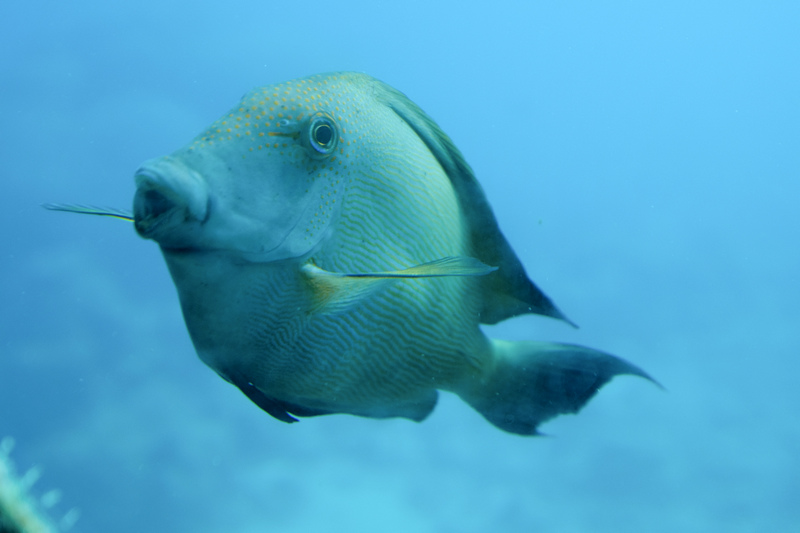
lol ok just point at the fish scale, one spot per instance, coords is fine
(333, 252)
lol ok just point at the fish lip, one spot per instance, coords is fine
(146, 217)
(151, 207)
(172, 202)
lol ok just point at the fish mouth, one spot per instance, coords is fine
(172, 202)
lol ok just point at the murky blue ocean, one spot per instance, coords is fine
(643, 159)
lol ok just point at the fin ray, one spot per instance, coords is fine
(532, 382)
(508, 292)
(333, 292)
(446, 266)
(276, 408)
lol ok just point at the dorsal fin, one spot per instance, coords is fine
(508, 291)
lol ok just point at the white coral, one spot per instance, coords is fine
(19, 512)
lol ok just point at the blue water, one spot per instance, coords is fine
(642, 158)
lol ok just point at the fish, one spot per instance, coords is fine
(334, 253)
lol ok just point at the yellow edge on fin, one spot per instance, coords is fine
(446, 266)
(333, 292)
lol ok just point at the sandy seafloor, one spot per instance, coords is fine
(643, 159)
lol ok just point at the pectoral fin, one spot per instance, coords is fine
(334, 292)
(446, 266)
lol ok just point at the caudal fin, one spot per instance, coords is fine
(532, 382)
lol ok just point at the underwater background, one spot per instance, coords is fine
(643, 159)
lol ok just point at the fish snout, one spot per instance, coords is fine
(171, 203)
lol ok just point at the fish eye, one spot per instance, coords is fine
(322, 134)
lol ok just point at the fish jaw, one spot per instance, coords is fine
(184, 209)
(171, 203)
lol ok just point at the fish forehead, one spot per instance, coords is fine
(267, 116)
(255, 152)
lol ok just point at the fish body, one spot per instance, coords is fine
(334, 253)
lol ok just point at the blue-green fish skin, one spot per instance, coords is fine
(334, 253)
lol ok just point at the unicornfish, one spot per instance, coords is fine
(333, 252)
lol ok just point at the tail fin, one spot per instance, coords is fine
(532, 382)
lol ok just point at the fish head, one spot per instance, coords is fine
(265, 181)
